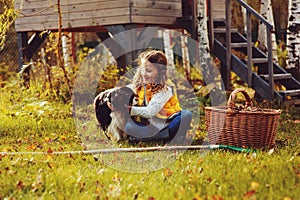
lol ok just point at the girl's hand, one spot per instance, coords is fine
(129, 109)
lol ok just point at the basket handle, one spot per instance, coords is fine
(232, 98)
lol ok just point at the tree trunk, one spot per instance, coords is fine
(169, 51)
(203, 32)
(185, 55)
(280, 12)
(66, 49)
(266, 12)
(293, 35)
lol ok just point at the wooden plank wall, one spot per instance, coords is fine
(218, 9)
(37, 15)
(155, 11)
(42, 14)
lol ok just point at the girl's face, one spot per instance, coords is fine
(149, 73)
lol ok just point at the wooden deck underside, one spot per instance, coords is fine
(37, 15)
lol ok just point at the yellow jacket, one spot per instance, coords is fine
(171, 107)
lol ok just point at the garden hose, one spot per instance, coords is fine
(137, 149)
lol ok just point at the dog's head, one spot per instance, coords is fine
(122, 98)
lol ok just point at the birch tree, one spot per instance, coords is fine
(185, 55)
(209, 72)
(266, 12)
(167, 39)
(66, 48)
(293, 35)
(203, 31)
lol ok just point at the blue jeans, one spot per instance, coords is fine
(179, 124)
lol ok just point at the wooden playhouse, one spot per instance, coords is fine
(107, 18)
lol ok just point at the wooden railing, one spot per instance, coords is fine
(249, 11)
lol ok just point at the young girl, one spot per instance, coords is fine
(158, 115)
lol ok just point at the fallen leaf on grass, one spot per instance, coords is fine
(50, 150)
(20, 185)
(6, 150)
(117, 177)
(217, 197)
(254, 185)
(249, 194)
(50, 165)
(167, 173)
(31, 147)
(47, 139)
(287, 198)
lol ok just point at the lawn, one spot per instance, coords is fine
(37, 124)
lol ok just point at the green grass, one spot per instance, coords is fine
(217, 174)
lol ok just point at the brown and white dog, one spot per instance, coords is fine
(111, 107)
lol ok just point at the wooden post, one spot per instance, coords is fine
(270, 61)
(115, 48)
(227, 76)
(145, 36)
(249, 48)
(123, 44)
(73, 47)
(26, 49)
(194, 33)
(22, 41)
(23, 57)
(210, 24)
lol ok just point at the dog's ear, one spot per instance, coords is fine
(103, 115)
(102, 110)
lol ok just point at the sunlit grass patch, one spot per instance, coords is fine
(216, 174)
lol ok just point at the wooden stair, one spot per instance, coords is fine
(260, 77)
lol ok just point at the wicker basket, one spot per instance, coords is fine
(249, 127)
